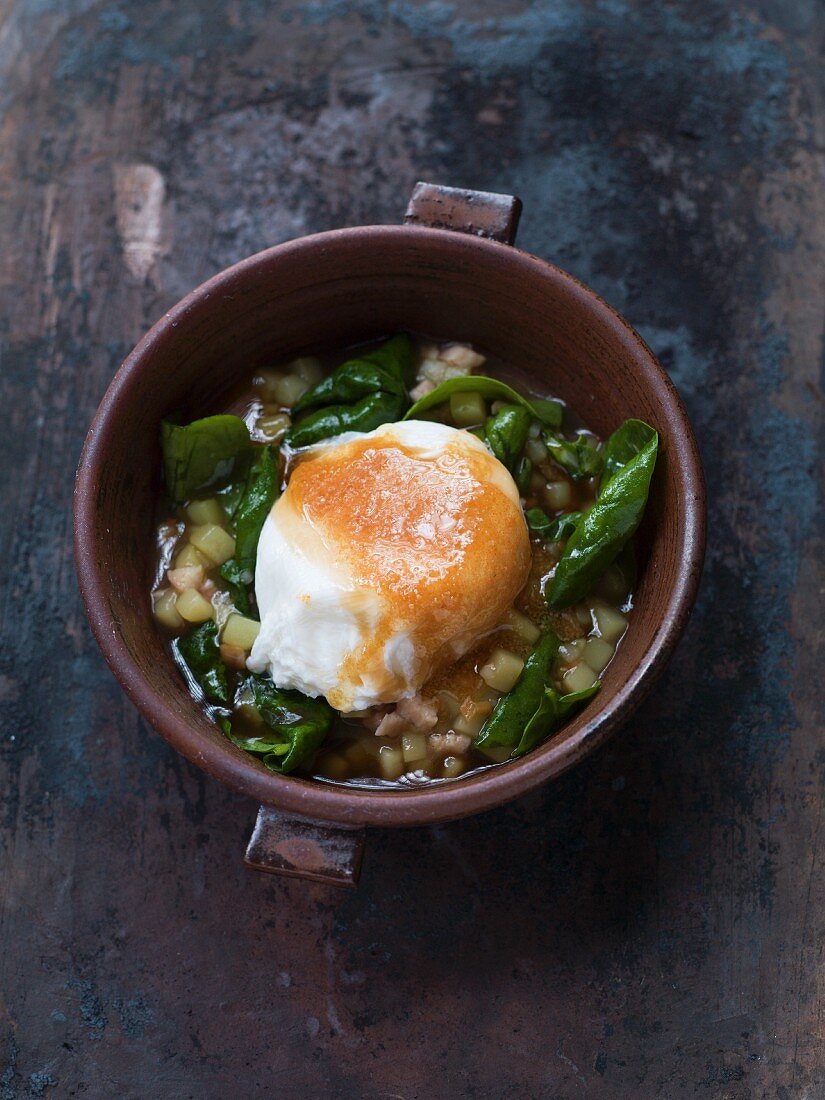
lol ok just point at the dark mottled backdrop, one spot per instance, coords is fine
(651, 925)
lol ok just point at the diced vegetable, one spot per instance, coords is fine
(308, 369)
(414, 748)
(192, 606)
(609, 621)
(598, 653)
(240, 631)
(185, 576)
(288, 390)
(453, 767)
(273, 427)
(467, 409)
(390, 762)
(460, 355)
(579, 678)
(206, 511)
(233, 655)
(558, 495)
(213, 541)
(165, 611)
(536, 451)
(501, 670)
(523, 627)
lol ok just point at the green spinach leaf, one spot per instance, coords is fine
(238, 577)
(358, 396)
(522, 475)
(297, 725)
(577, 457)
(200, 653)
(551, 712)
(604, 528)
(505, 726)
(546, 411)
(506, 433)
(260, 493)
(553, 530)
(206, 454)
(624, 444)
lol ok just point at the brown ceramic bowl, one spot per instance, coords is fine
(329, 291)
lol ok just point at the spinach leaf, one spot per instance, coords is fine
(505, 726)
(260, 493)
(577, 457)
(522, 475)
(625, 443)
(553, 530)
(358, 396)
(237, 578)
(506, 434)
(546, 411)
(604, 528)
(200, 653)
(551, 712)
(206, 454)
(297, 725)
(257, 496)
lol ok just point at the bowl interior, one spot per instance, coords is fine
(330, 291)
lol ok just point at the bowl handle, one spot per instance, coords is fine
(286, 844)
(481, 213)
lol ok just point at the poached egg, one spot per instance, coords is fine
(388, 555)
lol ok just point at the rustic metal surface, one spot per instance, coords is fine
(651, 924)
(477, 212)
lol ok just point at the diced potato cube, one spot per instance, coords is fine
(448, 705)
(502, 669)
(598, 653)
(453, 767)
(390, 762)
(558, 495)
(467, 409)
(193, 607)
(463, 356)
(414, 748)
(233, 656)
(332, 765)
(206, 511)
(536, 451)
(571, 652)
(185, 576)
(164, 602)
(288, 389)
(521, 625)
(308, 369)
(240, 631)
(579, 677)
(266, 382)
(274, 427)
(438, 371)
(188, 555)
(213, 541)
(358, 757)
(609, 621)
(469, 727)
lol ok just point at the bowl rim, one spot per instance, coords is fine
(440, 801)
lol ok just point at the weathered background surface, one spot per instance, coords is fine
(649, 926)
